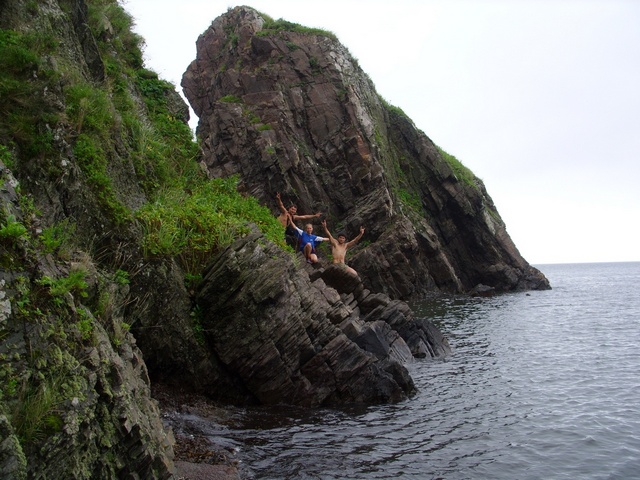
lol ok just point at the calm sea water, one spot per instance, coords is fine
(541, 385)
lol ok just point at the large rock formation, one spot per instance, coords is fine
(292, 112)
(307, 336)
(75, 392)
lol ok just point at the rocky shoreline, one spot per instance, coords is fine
(197, 456)
(306, 335)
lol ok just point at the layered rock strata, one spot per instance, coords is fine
(74, 386)
(291, 337)
(289, 110)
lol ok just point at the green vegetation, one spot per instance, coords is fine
(58, 238)
(461, 172)
(5, 156)
(404, 189)
(196, 322)
(36, 378)
(272, 27)
(112, 26)
(253, 118)
(315, 65)
(12, 230)
(410, 198)
(192, 226)
(231, 99)
(37, 412)
(23, 80)
(400, 182)
(232, 36)
(164, 155)
(89, 109)
(188, 216)
(60, 287)
(114, 136)
(85, 324)
(121, 277)
(392, 108)
(94, 162)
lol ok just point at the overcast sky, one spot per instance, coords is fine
(539, 98)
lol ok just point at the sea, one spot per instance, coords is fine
(540, 385)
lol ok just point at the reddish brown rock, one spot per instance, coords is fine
(292, 112)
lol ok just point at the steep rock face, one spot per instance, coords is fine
(291, 338)
(75, 386)
(75, 398)
(292, 112)
(153, 302)
(275, 329)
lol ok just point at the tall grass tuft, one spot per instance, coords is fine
(36, 414)
(461, 172)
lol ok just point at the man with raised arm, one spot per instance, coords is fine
(290, 234)
(339, 246)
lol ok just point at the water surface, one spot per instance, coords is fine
(540, 385)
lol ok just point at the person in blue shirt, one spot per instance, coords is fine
(308, 242)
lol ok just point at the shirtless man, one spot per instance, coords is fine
(339, 246)
(290, 234)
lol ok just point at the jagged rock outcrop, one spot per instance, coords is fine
(292, 112)
(75, 387)
(89, 319)
(290, 337)
(382, 324)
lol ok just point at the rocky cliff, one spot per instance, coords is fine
(75, 392)
(109, 283)
(289, 110)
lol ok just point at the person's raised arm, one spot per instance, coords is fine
(330, 239)
(292, 223)
(280, 204)
(308, 217)
(355, 240)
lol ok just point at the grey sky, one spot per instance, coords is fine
(540, 98)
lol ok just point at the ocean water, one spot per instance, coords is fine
(540, 385)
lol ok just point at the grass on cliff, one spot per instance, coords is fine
(272, 26)
(192, 226)
(24, 78)
(55, 121)
(461, 172)
(188, 216)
